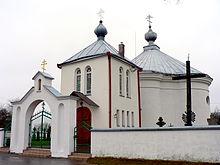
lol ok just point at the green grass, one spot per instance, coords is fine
(123, 161)
(43, 143)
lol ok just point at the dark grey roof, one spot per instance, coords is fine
(152, 60)
(97, 49)
(46, 75)
(53, 91)
(84, 98)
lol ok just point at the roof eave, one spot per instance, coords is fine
(80, 59)
(126, 61)
(98, 55)
(39, 72)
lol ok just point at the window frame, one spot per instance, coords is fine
(128, 118)
(118, 118)
(78, 78)
(123, 118)
(39, 84)
(88, 78)
(132, 119)
(121, 82)
(128, 84)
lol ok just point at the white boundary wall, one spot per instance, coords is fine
(1, 137)
(169, 143)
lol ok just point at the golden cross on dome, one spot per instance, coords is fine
(43, 64)
(148, 19)
(100, 14)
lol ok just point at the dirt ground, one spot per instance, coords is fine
(113, 161)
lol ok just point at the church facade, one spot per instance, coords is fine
(108, 78)
(101, 88)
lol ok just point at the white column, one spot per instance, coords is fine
(1, 137)
(71, 116)
(15, 129)
(64, 123)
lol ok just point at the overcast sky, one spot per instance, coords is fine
(33, 30)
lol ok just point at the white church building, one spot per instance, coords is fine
(101, 88)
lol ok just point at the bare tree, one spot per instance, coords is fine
(5, 117)
(6, 113)
(214, 117)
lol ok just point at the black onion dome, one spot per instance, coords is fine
(150, 36)
(100, 30)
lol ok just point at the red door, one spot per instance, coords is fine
(83, 129)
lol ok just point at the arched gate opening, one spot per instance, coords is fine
(40, 127)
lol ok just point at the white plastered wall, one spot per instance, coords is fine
(170, 143)
(100, 89)
(124, 103)
(99, 86)
(1, 137)
(163, 97)
(62, 122)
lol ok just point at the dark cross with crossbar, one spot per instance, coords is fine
(188, 78)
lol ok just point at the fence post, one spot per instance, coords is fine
(1, 137)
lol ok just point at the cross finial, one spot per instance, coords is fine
(43, 104)
(43, 64)
(148, 19)
(100, 13)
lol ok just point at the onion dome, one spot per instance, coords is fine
(152, 60)
(150, 36)
(100, 30)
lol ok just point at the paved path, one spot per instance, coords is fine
(13, 159)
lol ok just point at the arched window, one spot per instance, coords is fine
(39, 84)
(88, 80)
(121, 81)
(78, 80)
(128, 92)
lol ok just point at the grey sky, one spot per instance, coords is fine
(33, 30)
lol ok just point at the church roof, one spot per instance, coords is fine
(52, 90)
(46, 75)
(97, 49)
(84, 98)
(152, 60)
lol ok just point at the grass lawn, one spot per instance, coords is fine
(44, 143)
(120, 161)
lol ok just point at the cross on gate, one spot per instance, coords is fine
(188, 78)
(43, 64)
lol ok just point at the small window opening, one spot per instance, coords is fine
(121, 82)
(128, 119)
(118, 118)
(39, 84)
(123, 118)
(78, 80)
(132, 119)
(88, 80)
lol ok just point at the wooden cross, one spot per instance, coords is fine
(43, 64)
(188, 78)
(148, 19)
